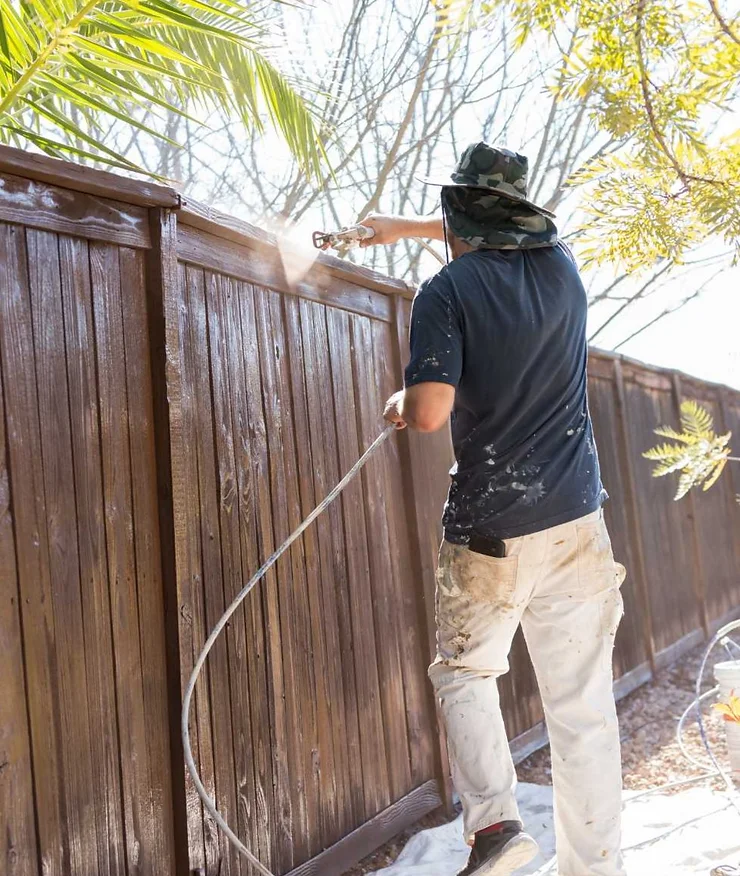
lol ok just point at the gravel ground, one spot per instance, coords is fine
(647, 721)
(650, 755)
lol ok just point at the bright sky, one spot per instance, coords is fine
(703, 338)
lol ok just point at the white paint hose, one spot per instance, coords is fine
(218, 629)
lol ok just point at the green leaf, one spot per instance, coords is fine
(61, 59)
(88, 100)
(695, 420)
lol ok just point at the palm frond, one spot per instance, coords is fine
(699, 454)
(100, 60)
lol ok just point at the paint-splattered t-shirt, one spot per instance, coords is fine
(507, 329)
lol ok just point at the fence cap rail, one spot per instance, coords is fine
(68, 175)
(105, 184)
(238, 230)
(647, 369)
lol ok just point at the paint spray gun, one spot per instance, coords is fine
(343, 239)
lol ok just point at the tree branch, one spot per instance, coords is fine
(724, 26)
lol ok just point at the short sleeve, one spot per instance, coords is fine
(435, 336)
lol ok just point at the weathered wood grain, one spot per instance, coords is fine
(274, 768)
(248, 428)
(221, 292)
(335, 810)
(37, 205)
(18, 841)
(79, 338)
(162, 300)
(369, 406)
(195, 346)
(372, 742)
(378, 830)
(209, 374)
(32, 548)
(117, 502)
(218, 692)
(286, 456)
(264, 267)
(408, 590)
(218, 224)
(64, 569)
(159, 828)
(83, 179)
(321, 776)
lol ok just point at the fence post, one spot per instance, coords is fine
(161, 289)
(633, 513)
(698, 578)
(417, 515)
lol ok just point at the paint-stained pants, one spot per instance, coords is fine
(562, 585)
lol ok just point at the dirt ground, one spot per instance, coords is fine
(650, 755)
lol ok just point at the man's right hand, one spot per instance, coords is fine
(388, 229)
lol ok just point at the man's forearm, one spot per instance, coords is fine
(390, 229)
(423, 226)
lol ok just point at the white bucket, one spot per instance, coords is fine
(727, 675)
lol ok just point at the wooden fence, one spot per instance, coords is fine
(170, 408)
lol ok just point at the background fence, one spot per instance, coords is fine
(170, 408)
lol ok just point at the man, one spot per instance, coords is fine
(498, 341)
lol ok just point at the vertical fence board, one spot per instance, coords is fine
(158, 796)
(369, 408)
(58, 476)
(664, 535)
(200, 290)
(276, 775)
(24, 442)
(18, 842)
(194, 353)
(729, 408)
(304, 782)
(372, 742)
(639, 571)
(255, 796)
(118, 504)
(336, 811)
(282, 465)
(712, 514)
(283, 809)
(323, 765)
(96, 608)
(251, 467)
(630, 649)
(690, 527)
(411, 637)
(241, 800)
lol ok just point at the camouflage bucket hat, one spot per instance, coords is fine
(500, 171)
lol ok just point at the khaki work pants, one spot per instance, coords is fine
(562, 585)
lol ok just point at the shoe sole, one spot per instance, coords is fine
(515, 854)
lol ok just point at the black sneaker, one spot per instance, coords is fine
(500, 853)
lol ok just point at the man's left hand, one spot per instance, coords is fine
(392, 412)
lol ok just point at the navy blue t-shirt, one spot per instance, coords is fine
(507, 329)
